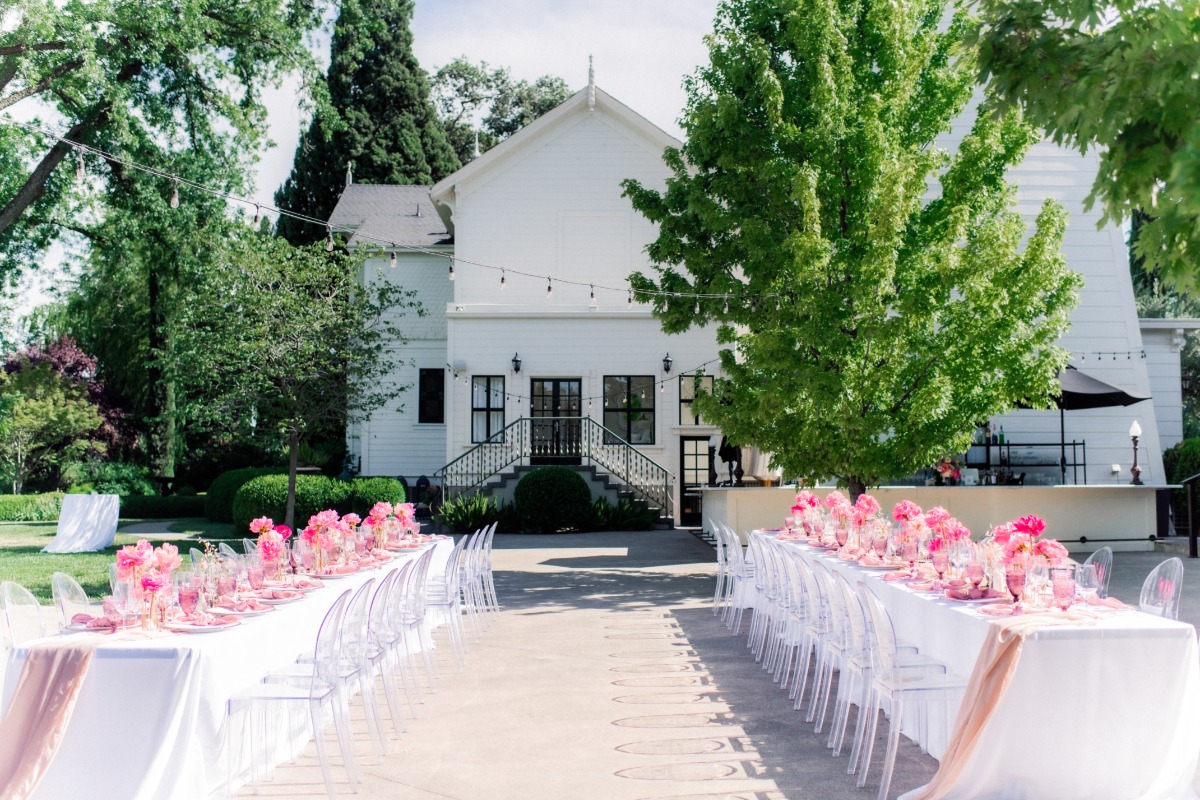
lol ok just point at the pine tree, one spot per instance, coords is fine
(379, 118)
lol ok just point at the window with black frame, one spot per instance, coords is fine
(487, 407)
(431, 396)
(689, 387)
(629, 408)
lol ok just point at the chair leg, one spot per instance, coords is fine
(869, 743)
(341, 724)
(318, 725)
(889, 761)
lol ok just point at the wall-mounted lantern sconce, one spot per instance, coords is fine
(1135, 432)
(1185, 382)
(516, 362)
(667, 363)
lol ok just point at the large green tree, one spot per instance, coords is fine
(483, 105)
(120, 75)
(379, 118)
(868, 288)
(294, 337)
(1121, 77)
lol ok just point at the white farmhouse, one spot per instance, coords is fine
(529, 341)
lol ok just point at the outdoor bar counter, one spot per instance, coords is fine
(1121, 516)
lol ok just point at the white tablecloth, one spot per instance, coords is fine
(150, 723)
(1104, 710)
(86, 523)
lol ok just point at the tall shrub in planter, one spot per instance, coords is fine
(553, 499)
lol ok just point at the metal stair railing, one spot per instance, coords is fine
(564, 437)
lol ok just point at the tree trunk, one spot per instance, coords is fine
(857, 486)
(161, 440)
(293, 462)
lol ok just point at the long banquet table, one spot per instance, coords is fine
(1108, 708)
(150, 722)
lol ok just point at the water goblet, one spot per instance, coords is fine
(1062, 584)
(975, 572)
(840, 535)
(1014, 579)
(1087, 582)
(911, 551)
(880, 542)
(255, 573)
(188, 585)
(941, 560)
(1037, 578)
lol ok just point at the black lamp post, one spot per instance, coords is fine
(1135, 431)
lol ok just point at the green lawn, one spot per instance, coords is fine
(21, 559)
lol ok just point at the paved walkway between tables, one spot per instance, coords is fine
(605, 676)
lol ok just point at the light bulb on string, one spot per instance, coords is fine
(629, 299)
(451, 270)
(778, 304)
(592, 301)
(80, 172)
(662, 387)
(328, 238)
(174, 201)
(726, 309)
(549, 288)
(503, 282)
(257, 214)
(392, 257)
(696, 308)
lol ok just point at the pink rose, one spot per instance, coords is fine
(1031, 524)
(284, 531)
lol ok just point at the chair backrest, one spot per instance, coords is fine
(355, 635)
(1160, 591)
(69, 598)
(1102, 560)
(325, 653)
(883, 653)
(226, 549)
(720, 545)
(733, 550)
(196, 555)
(834, 605)
(249, 546)
(487, 545)
(415, 596)
(857, 642)
(377, 619)
(453, 572)
(22, 614)
(396, 602)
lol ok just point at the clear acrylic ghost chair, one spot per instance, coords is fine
(489, 583)
(196, 555)
(722, 569)
(69, 598)
(249, 546)
(1161, 589)
(1102, 560)
(894, 687)
(381, 656)
(324, 688)
(765, 585)
(391, 635)
(23, 618)
(411, 620)
(226, 550)
(789, 634)
(443, 599)
(741, 572)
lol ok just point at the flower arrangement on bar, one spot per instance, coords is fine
(950, 468)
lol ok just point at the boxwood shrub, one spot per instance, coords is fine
(218, 503)
(30, 507)
(170, 507)
(366, 492)
(266, 496)
(553, 499)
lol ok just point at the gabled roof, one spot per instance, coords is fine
(582, 102)
(402, 215)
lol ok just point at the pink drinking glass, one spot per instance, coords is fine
(840, 535)
(1014, 578)
(941, 560)
(880, 544)
(911, 551)
(1062, 584)
(975, 573)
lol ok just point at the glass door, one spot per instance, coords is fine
(693, 473)
(555, 407)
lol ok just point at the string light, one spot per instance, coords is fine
(549, 288)
(726, 309)
(328, 238)
(451, 270)
(174, 202)
(392, 257)
(257, 214)
(503, 283)
(592, 301)
(178, 181)
(696, 309)
(80, 172)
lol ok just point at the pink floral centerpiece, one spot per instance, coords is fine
(323, 535)
(271, 544)
(148, 569)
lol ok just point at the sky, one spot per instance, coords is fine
(642, 50)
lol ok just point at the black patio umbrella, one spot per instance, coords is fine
(1080, 391)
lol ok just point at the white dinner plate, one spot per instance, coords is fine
(249, 612)
(879, 566)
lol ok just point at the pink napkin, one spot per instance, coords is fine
(96, 624)
(1106, 602)
(279, 594)
(40, 711)
(901, 575)
(228, 604)
(998, 609)
(970, 594)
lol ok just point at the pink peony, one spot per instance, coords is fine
(906, 510)
(153, 580)
(835, 499)
(352, 519)
(936, 516)
(270, 545)
(1051, 549)
(868, 504)
(958, 532)
(807, 499)
(284, 531)
(166, 558)
(1031, 524)
(936, 544)
(381, 509)
(261, 524)
(1002, 533)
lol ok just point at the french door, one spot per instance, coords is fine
(693, 473)
(555, 407)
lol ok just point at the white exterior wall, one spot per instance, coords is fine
(391, 442)
(1162, 364)
(1104, 320)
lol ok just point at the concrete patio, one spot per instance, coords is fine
(606, 676)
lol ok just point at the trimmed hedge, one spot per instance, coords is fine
(30, 507)
(266, 495)
(218, 503)
(170, 507)
(553, 499)
(366, 492)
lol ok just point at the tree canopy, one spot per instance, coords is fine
(379, 118)
(464, 91)
(128, 75)
(869, 289)
(1120, 77)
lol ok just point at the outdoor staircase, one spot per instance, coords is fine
(610, 464)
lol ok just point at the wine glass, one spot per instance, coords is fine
(255, 573)
(941, 560)
(1062, 584)
(974, 570)
(880, 541)
(126, 602)
(840, 535)
(1087, 582)
(1038, 577)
